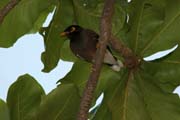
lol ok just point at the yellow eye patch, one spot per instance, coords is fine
(73, 29)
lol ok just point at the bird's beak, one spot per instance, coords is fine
(63, 34)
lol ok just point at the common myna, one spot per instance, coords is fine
(84, 42)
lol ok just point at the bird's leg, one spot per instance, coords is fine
(97, 45)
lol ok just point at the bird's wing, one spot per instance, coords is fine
(108, 58)
(93, 37)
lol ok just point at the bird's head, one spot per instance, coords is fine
(71, 31)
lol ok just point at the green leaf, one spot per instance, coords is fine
(80, 73)
(154, 25)
(63, 17)
(41, 19)
(166, 71)
(3, 3)
(93, 112)
(92, 10)
(145, 17)
(21, 20)
(160, 105)
(104, 110)
(66, 53)
(61, 104)
(4, 112)
(24, 97)
(102, 113)
(167, 32)
(137, 97)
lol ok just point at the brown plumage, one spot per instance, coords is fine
(83, 43)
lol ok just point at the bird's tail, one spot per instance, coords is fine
(117, 67)
(112, 61)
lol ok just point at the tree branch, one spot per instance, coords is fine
(7, 8)
(105, 32)
(130, 59)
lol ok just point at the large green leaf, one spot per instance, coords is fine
(4, 112)
(166, 71)
(21, 19)
(154, 25)
(24, 97)
(137, 97)
(53, 42)
(160, 105)
(60, 104)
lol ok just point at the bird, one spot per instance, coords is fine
(84, 43)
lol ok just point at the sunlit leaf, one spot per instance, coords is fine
(153, 25)
(60, 104)
(24, 97)
(63, 17)
(4, 112)
(39, 22)
(21, 20)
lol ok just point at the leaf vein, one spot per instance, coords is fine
(158, 33)
(67, 101)
(138, 27)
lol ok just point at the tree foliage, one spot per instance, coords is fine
(145, 26)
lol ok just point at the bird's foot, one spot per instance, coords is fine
(97, 45)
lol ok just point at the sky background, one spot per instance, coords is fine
(25, 57)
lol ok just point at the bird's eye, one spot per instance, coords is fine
(73, 29)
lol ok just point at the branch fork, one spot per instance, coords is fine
(131, 61)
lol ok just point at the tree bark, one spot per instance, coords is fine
(105, 33)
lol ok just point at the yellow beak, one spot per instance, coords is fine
(63, 34)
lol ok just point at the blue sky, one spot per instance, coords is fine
(25, 57)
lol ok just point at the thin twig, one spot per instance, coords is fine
(105, 32)
(7, 8)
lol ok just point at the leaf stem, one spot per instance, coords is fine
(7, 8)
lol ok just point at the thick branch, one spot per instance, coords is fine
(105, 32)
(7, 8)
(131, 60)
